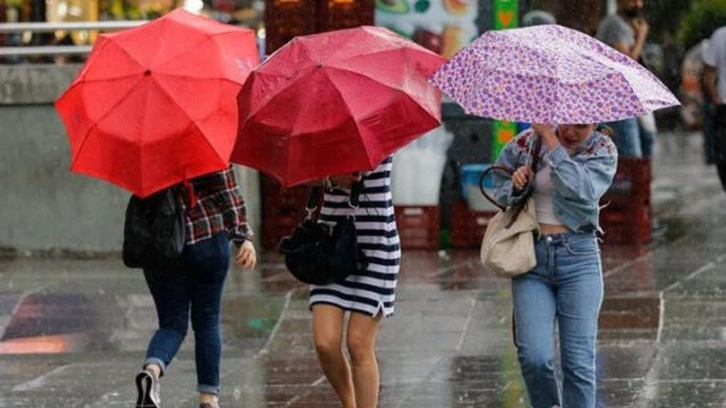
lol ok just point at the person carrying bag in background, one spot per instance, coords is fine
(576, 167)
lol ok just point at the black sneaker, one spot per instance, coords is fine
(148, 388)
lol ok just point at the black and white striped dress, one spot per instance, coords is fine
(375, 291)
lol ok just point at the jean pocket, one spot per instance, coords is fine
(209, 254)
(585, 245)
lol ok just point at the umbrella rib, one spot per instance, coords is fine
(95, 123)
(170, 58)
(393, 89)
(88, 81)
(206, 37)
(190, 118)
(348, 69)
(337, 90)
(219, 78)
(270, 96)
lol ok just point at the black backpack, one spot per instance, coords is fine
(154, 230)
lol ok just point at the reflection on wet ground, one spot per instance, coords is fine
(72, 333)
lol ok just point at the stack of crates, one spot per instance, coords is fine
(468, 226)
(626, 217)
(282, 210)
(418, 226)
(470, 214)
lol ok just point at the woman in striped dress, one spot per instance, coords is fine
(367, 297)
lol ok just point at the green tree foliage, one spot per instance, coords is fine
(701, 21)
(663, 16)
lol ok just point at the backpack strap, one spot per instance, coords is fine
(315, 192)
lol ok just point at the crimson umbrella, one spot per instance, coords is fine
(335, 102)
(155, 105)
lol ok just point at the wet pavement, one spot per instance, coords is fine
(73, 332)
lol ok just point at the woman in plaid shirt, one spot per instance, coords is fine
(215, 215)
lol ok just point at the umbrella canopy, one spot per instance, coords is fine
(155, 105)
(549, 74)
(335, 102)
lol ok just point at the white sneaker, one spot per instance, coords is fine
(148, 388)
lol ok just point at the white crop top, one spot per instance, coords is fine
(544, 197)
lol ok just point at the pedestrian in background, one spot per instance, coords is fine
(714, 74)
(708, 126)
(215, 214)
(367, 297)
(565, 289)
(626, 31)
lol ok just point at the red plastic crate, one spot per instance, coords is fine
(282, 209)
(418, 226)
(632, 179)
(468, 226)
(627, 221)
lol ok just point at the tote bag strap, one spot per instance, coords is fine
(533, 160)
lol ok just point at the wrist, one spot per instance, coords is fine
(238, 242)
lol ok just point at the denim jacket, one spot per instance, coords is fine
(579, 178)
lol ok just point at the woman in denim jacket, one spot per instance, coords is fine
(576, 167)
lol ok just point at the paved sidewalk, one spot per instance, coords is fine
(72, 333)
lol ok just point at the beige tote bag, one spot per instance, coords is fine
(509, 250)
(508, 247)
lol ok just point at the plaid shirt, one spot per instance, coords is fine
(214, 204)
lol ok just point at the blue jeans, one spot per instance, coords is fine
(647, 138)
(565, 288)
(626, 136)
(197, 286)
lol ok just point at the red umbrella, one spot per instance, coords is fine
(335, 102)
(154, 105)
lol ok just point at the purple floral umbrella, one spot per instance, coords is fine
(549, 74)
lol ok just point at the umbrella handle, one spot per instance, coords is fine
(533, 156)
(481, 184)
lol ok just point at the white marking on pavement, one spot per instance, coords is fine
(38, 382)
(689, 276)
(312, 384)
(661, 316)
(465, 329)
(285, 307)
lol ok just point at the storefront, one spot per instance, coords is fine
(243, 12)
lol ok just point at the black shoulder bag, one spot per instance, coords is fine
(317, 254)
(154, 229)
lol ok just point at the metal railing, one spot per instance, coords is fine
(23, 50)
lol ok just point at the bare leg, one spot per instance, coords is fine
(155, 369)
(328, 338)
(362, 333)
(205, 398)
